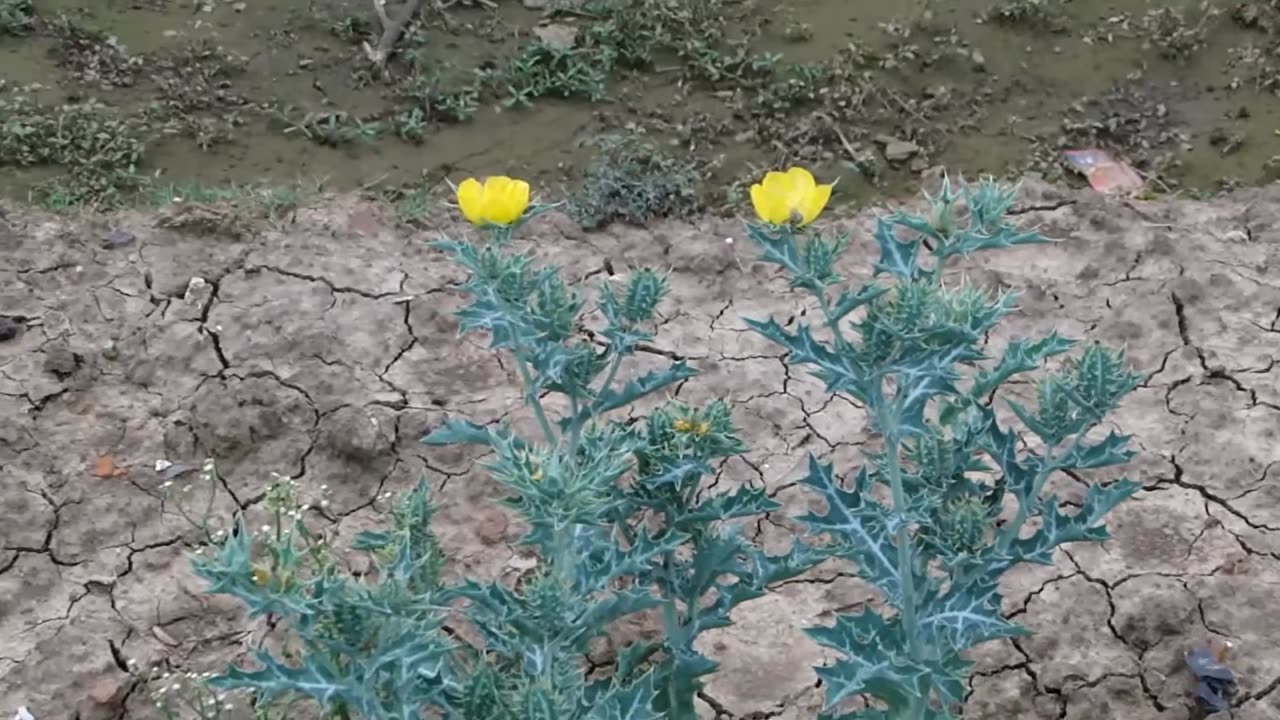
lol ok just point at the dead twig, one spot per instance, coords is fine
(392, 29)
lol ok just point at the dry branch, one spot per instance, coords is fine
(392, 29)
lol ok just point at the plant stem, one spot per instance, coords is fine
(679, 705)
(531, 398)
(614, 363)
(832, 324)
(906, 569)
(575, 427)
(1047, 465)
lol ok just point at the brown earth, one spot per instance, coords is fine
(323, 348)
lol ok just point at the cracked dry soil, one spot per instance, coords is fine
(323, 348)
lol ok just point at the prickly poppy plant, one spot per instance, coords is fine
(612, 509)
(948, 500)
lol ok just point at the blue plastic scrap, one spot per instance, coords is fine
(1215, 683)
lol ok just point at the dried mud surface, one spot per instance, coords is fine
(323, 348)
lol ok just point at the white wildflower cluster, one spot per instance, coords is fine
(187, 694)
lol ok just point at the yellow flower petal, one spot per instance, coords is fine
(471, 199)
(761, 202)
(814, 204)
(801, 180)
(505, 199)
(516, 200)
(771, 199)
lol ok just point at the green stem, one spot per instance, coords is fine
(680, 705)
(1047, 466)
(614, 363)
(832, 324)
(575, 428)
(906, 567)
(531, 398)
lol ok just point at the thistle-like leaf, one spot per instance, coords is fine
(630, 702)
(460, 431)
(1019, 356)
(742, 502)
(859, 526)
(966, 615)
(838, 372)
(1109, 451)
(847, 301)
(612, 399)
(897, 258)
(875, 660)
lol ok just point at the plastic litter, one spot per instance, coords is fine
(23, 714)
(1104, 173)
(1215, 683)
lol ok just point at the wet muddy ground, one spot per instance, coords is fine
(214, 93)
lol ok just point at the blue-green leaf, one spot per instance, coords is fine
(967, 615)
(314, 680)
(1109, 451)
(457, 431)
(1019, 356)
(897, 258)
(632, 702)
(872, 662)
(860, 527)
(847, 302)
(779, 249)
(838, 372)
(742, 502)
(648, 383)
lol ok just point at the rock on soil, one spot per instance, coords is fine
(322, 353)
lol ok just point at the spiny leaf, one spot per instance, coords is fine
(875, 660)
(1109, 451)
(314, 680)
(456, 431)
(631, 702)
(897, 258)
(967, 615)
(838, 372)
(742, 502)
(648, 383)
(1019, 356)
(779, 249)
(1056, 528)
(847, 302)
(860, 527)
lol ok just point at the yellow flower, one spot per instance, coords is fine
(499, 201)
(789, 197)
(259, 575)
(691, 427)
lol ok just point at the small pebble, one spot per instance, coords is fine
(10, 328)
(117, 238)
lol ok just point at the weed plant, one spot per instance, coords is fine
(635, 182)
(610, 489)
(99, 148)
(17, 17)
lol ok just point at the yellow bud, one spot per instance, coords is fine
(259, 576)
